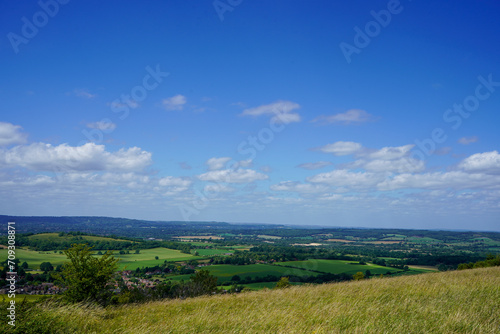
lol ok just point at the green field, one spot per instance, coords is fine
(338, 266)
(224, 272)
(146, 258)
(214, 251)
(424, 240)
(35, 258)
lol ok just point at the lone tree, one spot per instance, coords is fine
(358, 276)
(283, 283)
(86, 276)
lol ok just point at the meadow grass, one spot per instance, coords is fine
(448, 302)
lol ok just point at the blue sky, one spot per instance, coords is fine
(356, 113)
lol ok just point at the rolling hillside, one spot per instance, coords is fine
(450, 302)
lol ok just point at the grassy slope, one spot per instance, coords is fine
(450, 302)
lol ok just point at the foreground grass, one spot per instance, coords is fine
(450, 302)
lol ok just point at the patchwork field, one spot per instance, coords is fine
(224, 272)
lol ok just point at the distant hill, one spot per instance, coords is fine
(449, 302)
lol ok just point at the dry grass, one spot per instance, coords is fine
(451, 302)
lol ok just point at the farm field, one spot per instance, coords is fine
(146, 258)
(338, 266)
(224, 272)
(35, 258)
(213, 251)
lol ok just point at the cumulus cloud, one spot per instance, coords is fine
(83, 93)
(345, 178)
(341, 148)
(239, 175)
(11, 134)
(391, 152)
(217, 163)
(456, 180)
(292, 186)
(220, 163)
(314, 165)
(389, 159)
(88, 157)
(468, 140)
(348, 117)
(218, 188)
(104, 125)
(280, 110)
(487, 162)
(175, 184)
(176, 102)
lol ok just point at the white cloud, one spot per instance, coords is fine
(440, 180)
(345, 178)
(220, 163)
(282, 111)
(217, 188)
(175, 184)
(468, 140)
(341, 148)
(104, 125)
(315, 165)
(233, 176)
(88, 157)
(292, 186)
(350, 116)
(84, 94)
(176, 102)
(171, 181)
(487, 162)
(390, 152)
(389, 159)
(11, 134)
(401, 165)
(217, 163)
